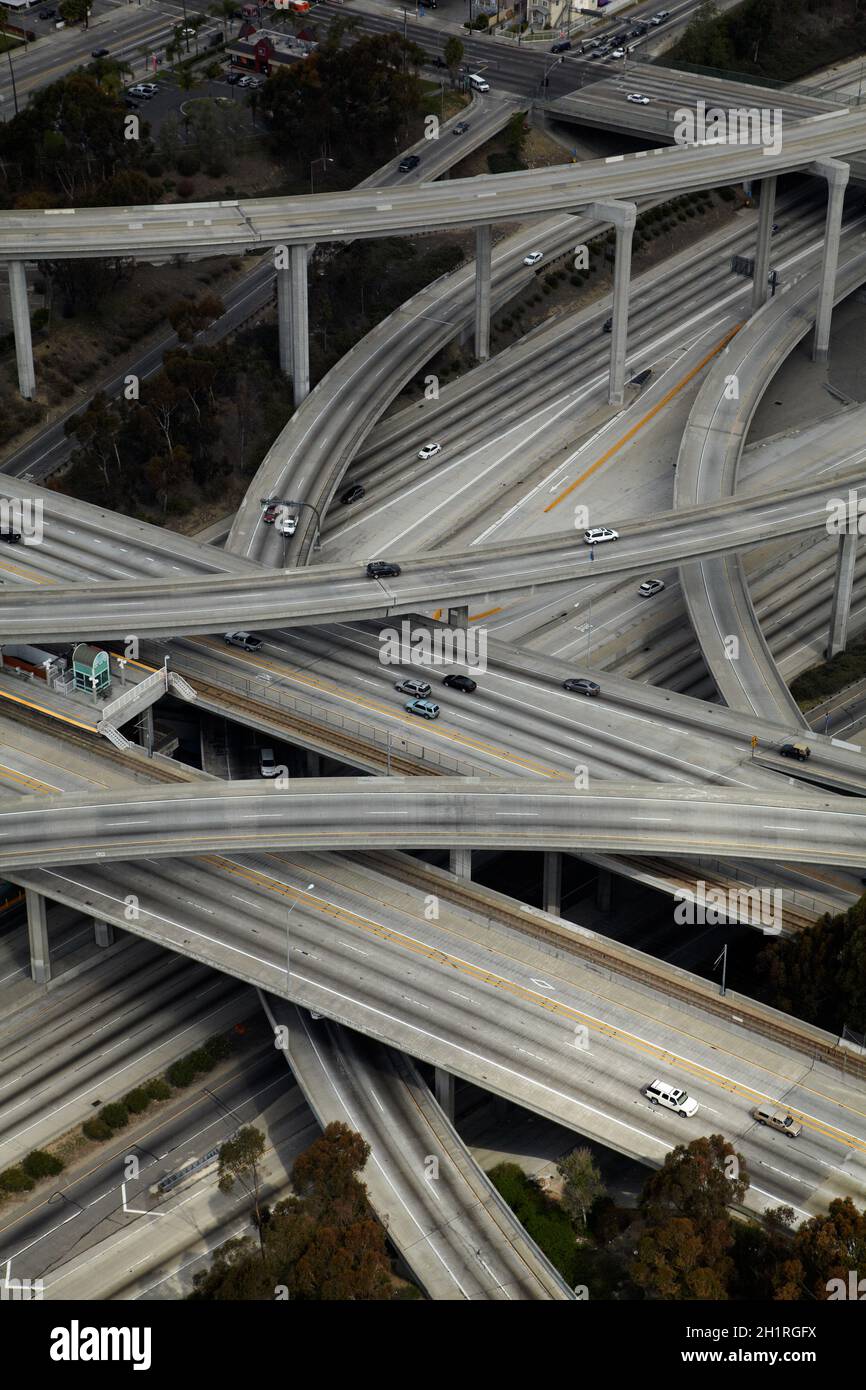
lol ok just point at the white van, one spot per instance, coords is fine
(477, 82)
(665, 1093)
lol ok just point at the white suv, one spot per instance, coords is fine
(665, 1093)
(596, 534)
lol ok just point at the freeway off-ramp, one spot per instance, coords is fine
(346, 813)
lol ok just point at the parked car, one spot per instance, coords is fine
(233, 77)
(533, 258)
(47, 14)
(411, 686)
(143, 90)
(579, 685)
(382, 569)
(800, 751)
(777, 1119)
(665, 1093)
(246, 81)
(596, 535)
(131, 104)
(353, 494)
(460, 128)
(426, 709)
(464, 683)
(650, 587)
(247, 641)
(429, 451)
(639, 98)
(410, 162)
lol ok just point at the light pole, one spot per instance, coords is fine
(325, 159)
(309, 889)
(724, 960)
(289, 503)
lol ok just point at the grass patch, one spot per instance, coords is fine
(820, 682)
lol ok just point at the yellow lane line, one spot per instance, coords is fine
(41, 709)
(34, 782)
(650, 415)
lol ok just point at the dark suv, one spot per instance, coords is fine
(561, 47)
(409, 163)
(382, 569)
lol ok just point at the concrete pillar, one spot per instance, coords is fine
(103, 933)
(443, 1083)
(146, 732)
(842, 590)
(459, 617)
(482, 293)
(836, 174)
(604, 891)
(623, 216)
(760, 288)
(313, 762)
(552, 882)
(21, 328)
(284, 318)
(460, 862)
(300, 324)
(37, 932)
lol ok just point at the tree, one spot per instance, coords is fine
(453, 55)
(73, 11)
(832, 1247)
(188, 316)
(239, 1161)
(699, 1180)
(224, 11)
(675, 1261)
(582, 1184)
(820, 973)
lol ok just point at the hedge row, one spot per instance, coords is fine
(117, 1114)
(25, 1175)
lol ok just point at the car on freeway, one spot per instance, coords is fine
(460, 128)
(596, 535)
(459, 682)
(650, 587)
(665, 1093)
(781, 1120)
(411, 686)
(267, 763)
(247, 641)
(10, 537)
(607, 325)
(410, 162)
(100, 53)
(287, 525)
(425, 709)
(270, 515)
(429, 451)
(618, 53)
(639, 98)
(533, 258)
(353, 494)
(800, 751)
(579, 685)
(382, 569)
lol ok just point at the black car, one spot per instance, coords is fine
(10, 537)
(608, 325)
(464, 683)
(382, 569)
(561, 47)
(99, 53)
(461, 128)
(581, 686)
(409, 163)
(352, 494)
(233, 77)
(131, 104)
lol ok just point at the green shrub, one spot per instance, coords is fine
(96, 1129)
(218, 1048)
(115, 1114)
(137, 1100)
(187, 163)
(181, 1073)
(15, 1180)
(39, 1164)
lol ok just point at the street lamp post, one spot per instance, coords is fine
(325, 159)
(287, 502)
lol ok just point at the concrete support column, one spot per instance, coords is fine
(103, 933)
(836, 174)
(284, 318)
(482, 293)
(459, 617)
(21, 328)
(37, 932)
(460, 862)
(842, 590)
(760, 288)
(623, 216)
(552, 882)
(300, 324)
(146, 731)
(314, 763)
(443, 1084)
(604, 891)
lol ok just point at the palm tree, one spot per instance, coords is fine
(224, 10)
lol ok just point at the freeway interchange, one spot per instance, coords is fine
(184, 849)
